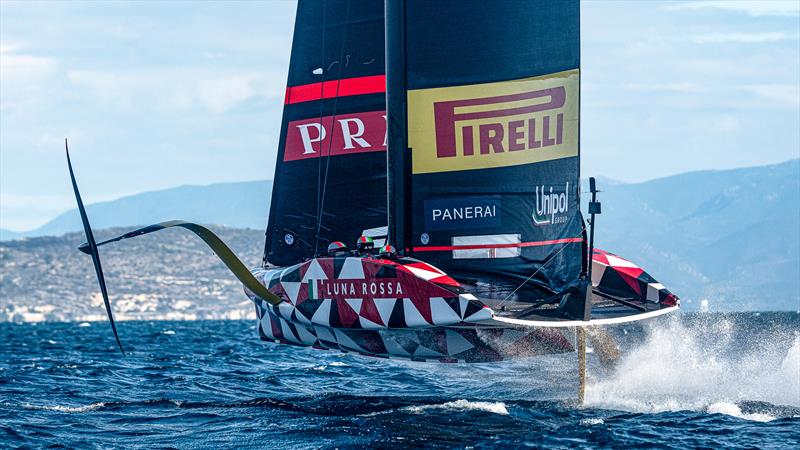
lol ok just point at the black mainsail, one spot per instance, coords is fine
(484, 160)
(330, 177)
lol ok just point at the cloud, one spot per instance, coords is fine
(37, 202)
(221, 93)
(778, 95)
(26, 81)
(16, 66)
(665, 87)
(741, 38)
(756, 8)
(178, 89)
(724, 123)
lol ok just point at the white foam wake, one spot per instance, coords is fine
(67, 409)
(734, 410)
(462, 405)
(698, 365)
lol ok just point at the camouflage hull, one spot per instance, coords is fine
(443, 344)
(388, 308)
(406, 308)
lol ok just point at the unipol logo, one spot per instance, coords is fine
(506, 123)
(483, 126)
(551, 207)
(336, 135)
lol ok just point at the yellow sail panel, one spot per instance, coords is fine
(490, 125)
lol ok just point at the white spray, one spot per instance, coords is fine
(698, 365)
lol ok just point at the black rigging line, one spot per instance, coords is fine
(321, 125)
(333, 119)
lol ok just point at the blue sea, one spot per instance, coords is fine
(701, 380)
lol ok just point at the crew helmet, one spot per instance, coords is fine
(365, 244)
(336, 248)
(387, 251)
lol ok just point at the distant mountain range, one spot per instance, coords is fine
(235, 205)
(729, 237)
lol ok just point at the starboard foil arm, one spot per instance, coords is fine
(585, 323)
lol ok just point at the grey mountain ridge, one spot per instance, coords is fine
(730, 237)
(237, 205)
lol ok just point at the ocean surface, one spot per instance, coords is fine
(702, 380)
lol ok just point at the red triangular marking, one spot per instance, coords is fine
(370, 312)
(424, 308)
(347, 315)
(630, 275)
(445, 280)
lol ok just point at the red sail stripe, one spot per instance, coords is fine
(328, 89)
(445, 248)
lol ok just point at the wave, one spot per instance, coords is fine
(706, 364)
(325, 405)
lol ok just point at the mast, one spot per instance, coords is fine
(397, 154)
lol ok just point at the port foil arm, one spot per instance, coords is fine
(223, 252)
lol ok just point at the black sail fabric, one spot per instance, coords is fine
(330, 177)
(493, 135)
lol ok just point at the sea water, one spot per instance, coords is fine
(701, 380)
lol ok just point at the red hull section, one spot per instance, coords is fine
(614, 275)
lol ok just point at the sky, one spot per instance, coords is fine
(158, 94)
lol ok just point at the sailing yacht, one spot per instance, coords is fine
(447, 133)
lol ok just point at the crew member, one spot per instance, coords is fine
(364, 245)
(337, 248)
(387, 252)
